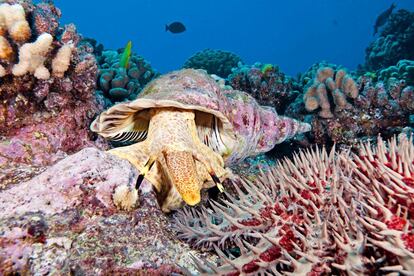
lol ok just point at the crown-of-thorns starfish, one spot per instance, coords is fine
(187, 130)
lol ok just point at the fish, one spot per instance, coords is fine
(175, 27)
(383, 17)
(126, 55)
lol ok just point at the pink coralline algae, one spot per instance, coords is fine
(64, 221)
(318, 214)
(42, 118)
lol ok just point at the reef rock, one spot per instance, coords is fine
(266, 83)
(46, 91)
(64, 221)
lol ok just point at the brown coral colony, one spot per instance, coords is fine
(340, 86)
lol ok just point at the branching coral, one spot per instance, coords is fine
(215, 62)
(6, 51)
(308, 76)
(32, 56)
(62, 60)
(13, 22)
(266, 83)
(320, 213)
(339, 84)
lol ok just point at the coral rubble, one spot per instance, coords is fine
(266, 83)
(394, 43)
(318, 214)
(215, 62)
(117, 83)
(46, 89)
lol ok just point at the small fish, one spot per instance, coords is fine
(383, 17)
(126, 55)
(175, 27)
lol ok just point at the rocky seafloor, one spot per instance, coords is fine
(317, 213)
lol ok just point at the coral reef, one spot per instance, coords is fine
(64, 221)
(92, 45)
(339, 84)
(377, 108)
(394, 43)
(117, 83)
(215, 62)
(402, 72)
(318, 214)
(187, 130)
(46, 90)
(266, 83)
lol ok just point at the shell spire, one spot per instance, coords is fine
(288, 128)
(258, 128)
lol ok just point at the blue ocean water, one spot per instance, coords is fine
(293, 33)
